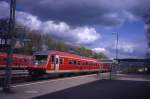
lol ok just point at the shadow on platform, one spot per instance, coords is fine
(104, 89)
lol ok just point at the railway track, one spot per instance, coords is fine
(16, 78)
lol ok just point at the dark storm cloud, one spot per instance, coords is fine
(63, 10)
(86, 12)
(80, 12)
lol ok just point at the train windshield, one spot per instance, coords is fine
(40, 59)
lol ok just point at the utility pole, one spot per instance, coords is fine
(117, 40)
(117, 46)
(116, 49)
(10, 40)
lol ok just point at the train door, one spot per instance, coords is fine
(56, 62)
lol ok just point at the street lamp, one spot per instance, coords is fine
(7, 80)
(117, 40)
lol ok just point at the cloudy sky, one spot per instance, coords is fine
(90, 23)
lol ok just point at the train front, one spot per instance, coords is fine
(39, 63)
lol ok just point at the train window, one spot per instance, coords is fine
(41, 57)
(75, 62)
(20, 60)
(83, 63)
(70, 62)
(38, 59)
(78, 62)
(86, 63)
(60, 61)
(5, 59)
(52, 58)
(25, 60)
(57, 61)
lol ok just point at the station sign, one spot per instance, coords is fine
(4, 38)
(4, 43)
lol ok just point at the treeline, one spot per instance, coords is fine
(41, 41)
(32, 41)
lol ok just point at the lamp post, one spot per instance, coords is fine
(117, 39)
(10, 40)
(116, 54)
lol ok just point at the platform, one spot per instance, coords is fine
(104, 89)
(34, 89)
(84, 87)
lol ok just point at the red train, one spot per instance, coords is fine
(62, 62)
(43, 62)
(19, 62)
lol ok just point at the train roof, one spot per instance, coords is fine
(64, 54)
(41, 53)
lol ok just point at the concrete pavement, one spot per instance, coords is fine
(104, 89)
(81, 87)
(29, 90)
